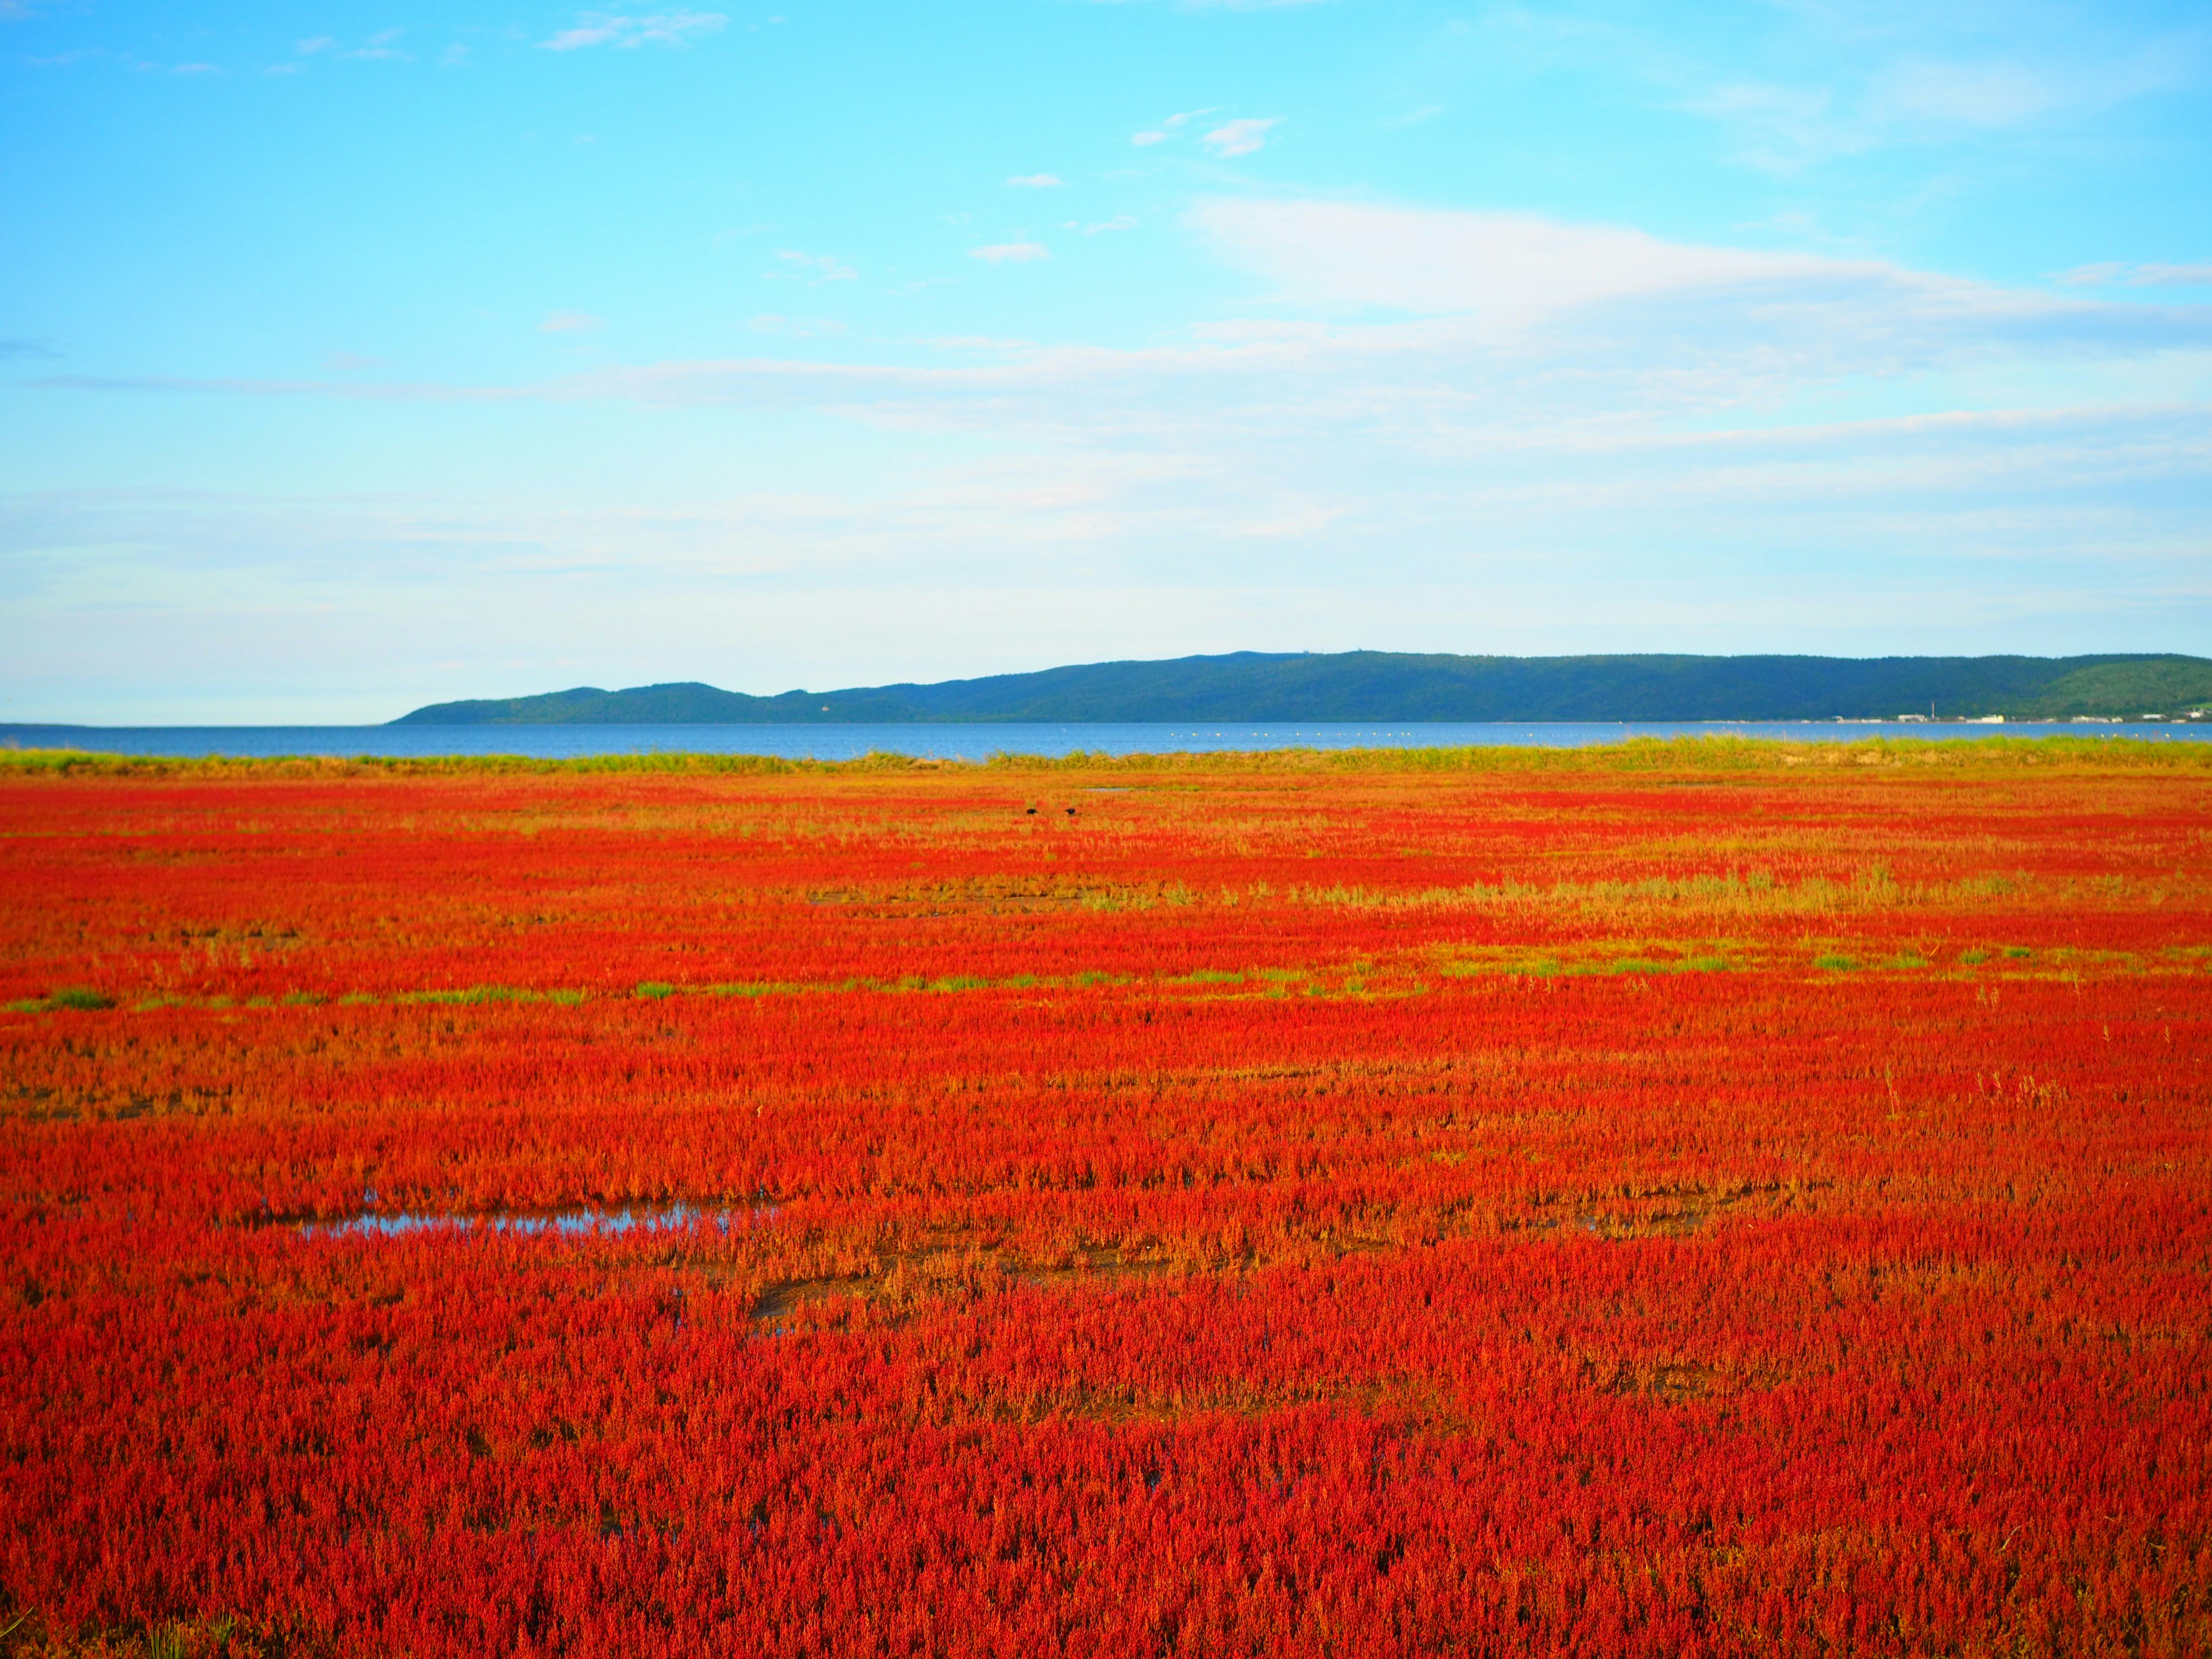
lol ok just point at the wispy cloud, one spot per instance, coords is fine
(1511, 330)
(1532, 385)
(1497, 265)
(1987, 95)
(570, 322)
(1011, 253)
(2149, 275)
(1862, 78)
(1034, 181)
(818, 267)
(382, 47)
(1168, 129)
(1241, 137)
(30, 349)
(668, 28)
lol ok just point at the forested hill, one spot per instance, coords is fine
(1380, 685)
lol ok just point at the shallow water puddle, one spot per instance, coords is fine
(643, 1218)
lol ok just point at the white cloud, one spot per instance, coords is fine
(1168, 129)
(1241, 137)
(381, 48)
(1578, 423)
(1989, 95)
(671, 29)
(820, 267)
(570, 322)
(1034, 181)
(2150, 276)
(1866, 77)
(1922, 101)
(1500, 266)
(1011, 253)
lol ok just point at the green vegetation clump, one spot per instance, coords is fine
(1658, 757)
(69, 996)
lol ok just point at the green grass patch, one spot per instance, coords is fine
(472, 995)
(1835, 964)
(2018, 953)
(1598, 961)
(81, 997)
(1662, 756)
(652, 990)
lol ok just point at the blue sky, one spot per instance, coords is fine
(355, 356)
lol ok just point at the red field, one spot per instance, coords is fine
(1668, 1207)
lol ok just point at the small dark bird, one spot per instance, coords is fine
(1032, 811)
(1071, 811)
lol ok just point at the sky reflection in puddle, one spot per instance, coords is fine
(641, 1217)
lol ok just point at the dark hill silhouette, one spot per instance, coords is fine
(1380, 685)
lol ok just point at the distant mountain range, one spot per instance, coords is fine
(1383, 686)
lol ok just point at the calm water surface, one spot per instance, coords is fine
(649, 1218)
(978, 742)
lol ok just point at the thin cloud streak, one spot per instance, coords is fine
(626, 31)
(1482, 315)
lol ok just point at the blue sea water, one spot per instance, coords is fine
(977, 742)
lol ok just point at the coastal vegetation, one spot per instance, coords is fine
(1699, 1197)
